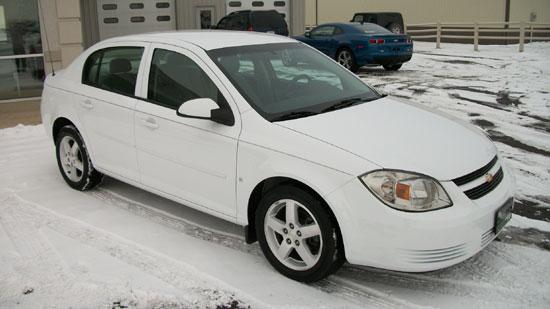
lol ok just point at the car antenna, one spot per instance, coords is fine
(46, 37)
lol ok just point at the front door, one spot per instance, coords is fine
(190, 159)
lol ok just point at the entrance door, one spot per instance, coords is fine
(123, 17)
(204, 17)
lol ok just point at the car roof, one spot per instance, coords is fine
(206, 39)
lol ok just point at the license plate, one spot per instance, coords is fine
(503, 215)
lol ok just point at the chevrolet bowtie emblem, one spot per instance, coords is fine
(489, 177)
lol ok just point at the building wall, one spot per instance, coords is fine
(61, 32)
(417, 11)
(186, 11)
(521, 10)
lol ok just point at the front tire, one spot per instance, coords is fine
(346, 58)
(392, 67)
(297, 235)
(73, 160)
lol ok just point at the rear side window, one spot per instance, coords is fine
(175, 79)
(270, 19)
(113, 69)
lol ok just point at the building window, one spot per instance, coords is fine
(163, 18)
(235, 4)
(257, 3)
(136, 6)
(109, 7)
(279, 3)
(22, 61)
(110, 20)
(163, 5)
(137, 19)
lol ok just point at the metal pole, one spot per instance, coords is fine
(476, 36)
(438, 36)
(521, 36)
(531, 34)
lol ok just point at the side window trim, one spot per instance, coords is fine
(101, 52)
(142, 95)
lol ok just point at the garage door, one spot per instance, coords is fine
(282, 6)
(122, 17)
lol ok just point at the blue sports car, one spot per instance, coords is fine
(355, 45)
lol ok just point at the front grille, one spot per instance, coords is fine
(475, 174)
(436, 255)
(485, 187)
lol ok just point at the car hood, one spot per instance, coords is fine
(397, 134)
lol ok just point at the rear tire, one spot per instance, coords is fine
(392, 67)
(297, 235)
(73, 160)
(346, 58)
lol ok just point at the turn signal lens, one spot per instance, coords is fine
(406, 191)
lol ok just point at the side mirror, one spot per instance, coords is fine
(307, 34)
(206, 108)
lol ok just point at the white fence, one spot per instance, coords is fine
(521, 31)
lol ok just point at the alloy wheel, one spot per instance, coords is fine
(71, 159)
(293, 234)
(345, 59)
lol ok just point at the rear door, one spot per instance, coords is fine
(107, 105)
(191, 159)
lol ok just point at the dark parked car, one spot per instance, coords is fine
(355, 45)
(392, 21)
(260, 21)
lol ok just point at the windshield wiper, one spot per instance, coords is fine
(343, 104)
(294, 115)
(349, 102)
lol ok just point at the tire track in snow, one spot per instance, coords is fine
(350, 280)
(175, 273)
(342, 288)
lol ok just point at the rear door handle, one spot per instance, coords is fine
(87, 104)
(150, 122)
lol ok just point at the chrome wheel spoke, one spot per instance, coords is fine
(79, 165)
(305, 254)
(74, 148)
(276, 225)
(309, 231)
(291, 213)
(284, 250)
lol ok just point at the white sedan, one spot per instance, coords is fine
(266, 132)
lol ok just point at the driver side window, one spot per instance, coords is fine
(323, 31)
(175, 79)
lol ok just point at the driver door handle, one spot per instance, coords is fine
(149, 122)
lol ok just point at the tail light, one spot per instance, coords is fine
(250, 28)
(376, 41)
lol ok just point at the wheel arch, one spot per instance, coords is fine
(269, 183)
(59, 123)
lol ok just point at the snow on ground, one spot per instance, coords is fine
(119, 246)
(502, 91)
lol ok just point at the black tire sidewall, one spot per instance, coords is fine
(72, 132)
(325, 264)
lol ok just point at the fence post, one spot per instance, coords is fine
(531, 34)
(476, 36)
(521, 36)
(438, 36)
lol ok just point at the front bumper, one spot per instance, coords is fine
(379, 236)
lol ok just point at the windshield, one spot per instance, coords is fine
(290, 80)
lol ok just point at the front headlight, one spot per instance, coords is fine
(406, 191)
